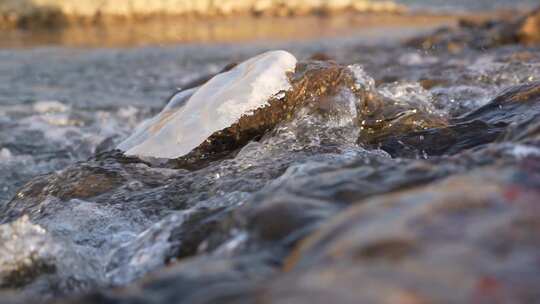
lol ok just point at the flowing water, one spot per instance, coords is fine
(77, 216)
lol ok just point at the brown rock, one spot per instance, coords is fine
(381, 117)
(311, 83)
(508, 114)
(468, 239)
(314, 84)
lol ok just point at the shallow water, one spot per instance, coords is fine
(56, 116)
(90, 219)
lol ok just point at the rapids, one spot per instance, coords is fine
(372, 167)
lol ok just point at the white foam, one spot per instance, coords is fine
(46, 106)
(416, 59)
(523, 151)
(222, 101)
(5, 154)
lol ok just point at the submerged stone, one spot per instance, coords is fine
(508, 116)
(470, 238)
(475, 229)
(382, 116)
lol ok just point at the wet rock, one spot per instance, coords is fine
(381, 117)
(441, 141)
(478, 229)
(178, 235)
(516, 106)
(82, 181)
(475, 230)
(481, 35)
(197, 227)
(184, 125)
(311, 84)
(315, 87)
(222, 231)
(296, 217)
(523, 132)
(204, 279)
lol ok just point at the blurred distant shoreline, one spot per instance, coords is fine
(369, 28)
(54, 14)
(91, 23)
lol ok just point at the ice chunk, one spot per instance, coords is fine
(222, 101)
(145, 129)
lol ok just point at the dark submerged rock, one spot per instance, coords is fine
(198, 280)
(517, 106)
(381, 117)
(472, 229)
(475, 230)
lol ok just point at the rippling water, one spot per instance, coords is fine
(91, 219)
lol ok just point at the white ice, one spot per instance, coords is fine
(193, 115)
